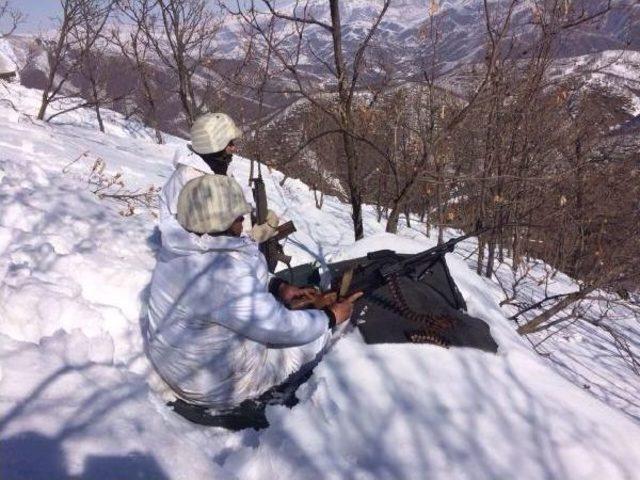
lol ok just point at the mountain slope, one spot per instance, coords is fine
(460, 24)
(78, 397)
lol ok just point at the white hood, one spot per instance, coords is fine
(186, 157)
(190, 243)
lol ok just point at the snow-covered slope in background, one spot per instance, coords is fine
(78, 397)
(617, 70)
(402, 36)
(8, 61)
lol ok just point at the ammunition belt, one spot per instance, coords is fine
(433, 325)
(421, 336)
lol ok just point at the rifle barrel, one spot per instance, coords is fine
(402, 267)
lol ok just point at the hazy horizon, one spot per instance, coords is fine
(39, 13)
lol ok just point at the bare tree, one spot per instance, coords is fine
(92, 58)
(10, 16)
(64, 51)
(182, 34)
(514, 121)
(402, 128)
(347, 72)
(136, 48)
(596, 219)
(540, 166)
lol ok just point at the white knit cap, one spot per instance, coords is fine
(212, 132)
(210, 204)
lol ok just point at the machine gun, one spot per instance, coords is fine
(407, 298)
(380, 268)
(271, 249)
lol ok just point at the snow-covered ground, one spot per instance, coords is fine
(78, 397)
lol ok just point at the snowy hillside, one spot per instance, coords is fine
(615, 69)
(461, 24)
(8, 62)
(79, 398)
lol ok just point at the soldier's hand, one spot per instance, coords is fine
(273, 220)
(262, 233)
(343, 309)
(267, 230)
(288, 293)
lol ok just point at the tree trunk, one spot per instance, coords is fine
(515, 250)
(490, 258)
(99, 117)
(355, 197)
(480, 256)
(356, 215)
(43, 106)
(186, 107)
(346, 121)
(96, 106)
(319, 200)
(536, 324)
(394, 217)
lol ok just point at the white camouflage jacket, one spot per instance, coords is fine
(215, 334)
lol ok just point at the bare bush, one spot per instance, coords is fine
(111, 186)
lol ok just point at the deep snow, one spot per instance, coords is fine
(78, 397)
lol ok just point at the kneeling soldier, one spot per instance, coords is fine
(219, 331)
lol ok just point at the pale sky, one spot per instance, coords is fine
(38, 12)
